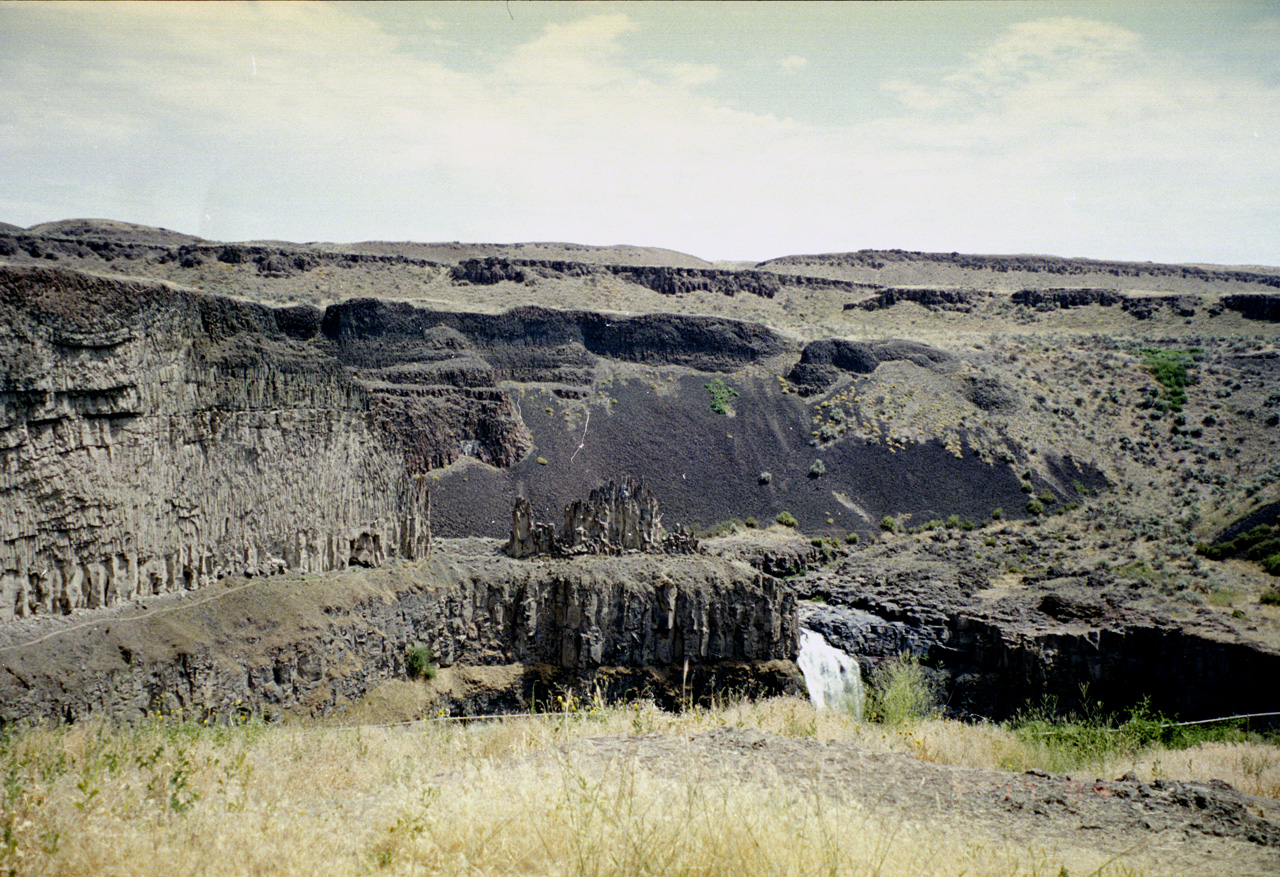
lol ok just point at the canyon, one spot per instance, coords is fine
(982, 464)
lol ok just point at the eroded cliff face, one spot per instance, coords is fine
(636, 622)
(153, 440)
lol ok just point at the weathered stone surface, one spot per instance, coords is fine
(822, 362)
(935, 299)
(272, 645)
(997, 656)
(154, 440)
(615, 518)
(1143, 307)
(1255, 307)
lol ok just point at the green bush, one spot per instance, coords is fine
(887, 523)
(787, 519)
(721, 395)
(853, 538)
(817, 469)
(997, 513)
(419, 662)
(1270, 598)
(724, 528)
(901, 693)
(1035, 507)
(765, 477)
(1169, 368)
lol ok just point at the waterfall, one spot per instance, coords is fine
(833, 678)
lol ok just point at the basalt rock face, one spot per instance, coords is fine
(662, 279)
(822, 362)
(153, 440)
(1143, 307)
(615, 518)
(959, 300)
(539, 344)
(992, 657)
(583, 622)
(1255, 307)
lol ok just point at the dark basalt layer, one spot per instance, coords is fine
(677, 628)
(1055, 645)
(822, 362)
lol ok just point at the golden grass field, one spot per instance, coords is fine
(527, 795)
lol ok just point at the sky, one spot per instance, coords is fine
(732, 131)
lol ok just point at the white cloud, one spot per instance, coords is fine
(578, 134)
(690, 75)
(793, 63)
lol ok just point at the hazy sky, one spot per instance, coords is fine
(731, 131)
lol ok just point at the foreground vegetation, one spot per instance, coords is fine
(508, 796)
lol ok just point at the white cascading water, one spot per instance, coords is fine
(833, 678)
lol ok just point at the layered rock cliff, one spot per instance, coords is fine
(633, 622)
(153, 440)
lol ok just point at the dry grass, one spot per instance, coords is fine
(498, 797)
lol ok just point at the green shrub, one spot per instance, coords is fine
(721, 395)
(953, 522)
(1035, 507)
(887, 523)
(419, 662)
(901, 693)
(817, 469)
(724, 528)
(765, 477)
(542, 461)
(853, 538)
(787, 519)
(997, 513)
(751, 522)
(1270, 598)
(1048, 497)
(1169, 368)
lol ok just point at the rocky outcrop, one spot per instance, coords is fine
(989, 394)
(633, 621)
(662, 279)
(1255, 307)
(615, 518)
(1143, 307)
(935, 299)
(530, 343)
(995, 657)
(1054, 265)
(822, 362)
